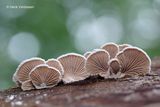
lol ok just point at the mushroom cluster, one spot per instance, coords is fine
(109, 61)
(117, 61)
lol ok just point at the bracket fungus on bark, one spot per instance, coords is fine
(115, 69)
(123, 46)
(116, 65)
(110, 61)
(22, 73)
(97, 63)
(111, 48)
(56, 64)
(134, 61)
(27, 85)
(44, 76)
(74, 67)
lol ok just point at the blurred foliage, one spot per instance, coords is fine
(48, 21)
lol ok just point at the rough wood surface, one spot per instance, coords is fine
(93, 92)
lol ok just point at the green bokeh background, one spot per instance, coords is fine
(48, 22)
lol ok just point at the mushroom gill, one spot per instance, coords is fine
(97, 63)
(73, 66)
(44, 76)
(123, 46)
(27, 85)
(134, 61)
(111, 48)
(55, 64)
(115, 69)
(23, 70)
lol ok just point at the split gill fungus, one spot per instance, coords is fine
(109, 61)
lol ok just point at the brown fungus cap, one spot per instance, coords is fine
(74, 67)
(134, 61)
(44, 76)
(55, 64)
(97, 63)
(123, 46)
(23, 70)
(115, 69)
(27, 85)
(111, 48)
(114, 66)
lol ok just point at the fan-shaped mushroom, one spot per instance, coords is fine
(56, 64)
(73, 66)
(27, 85)
(44, 76)
(111, 48)
(134, 61)
(97, 63)
(115, 69)
(23, 70)
(123, 46)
